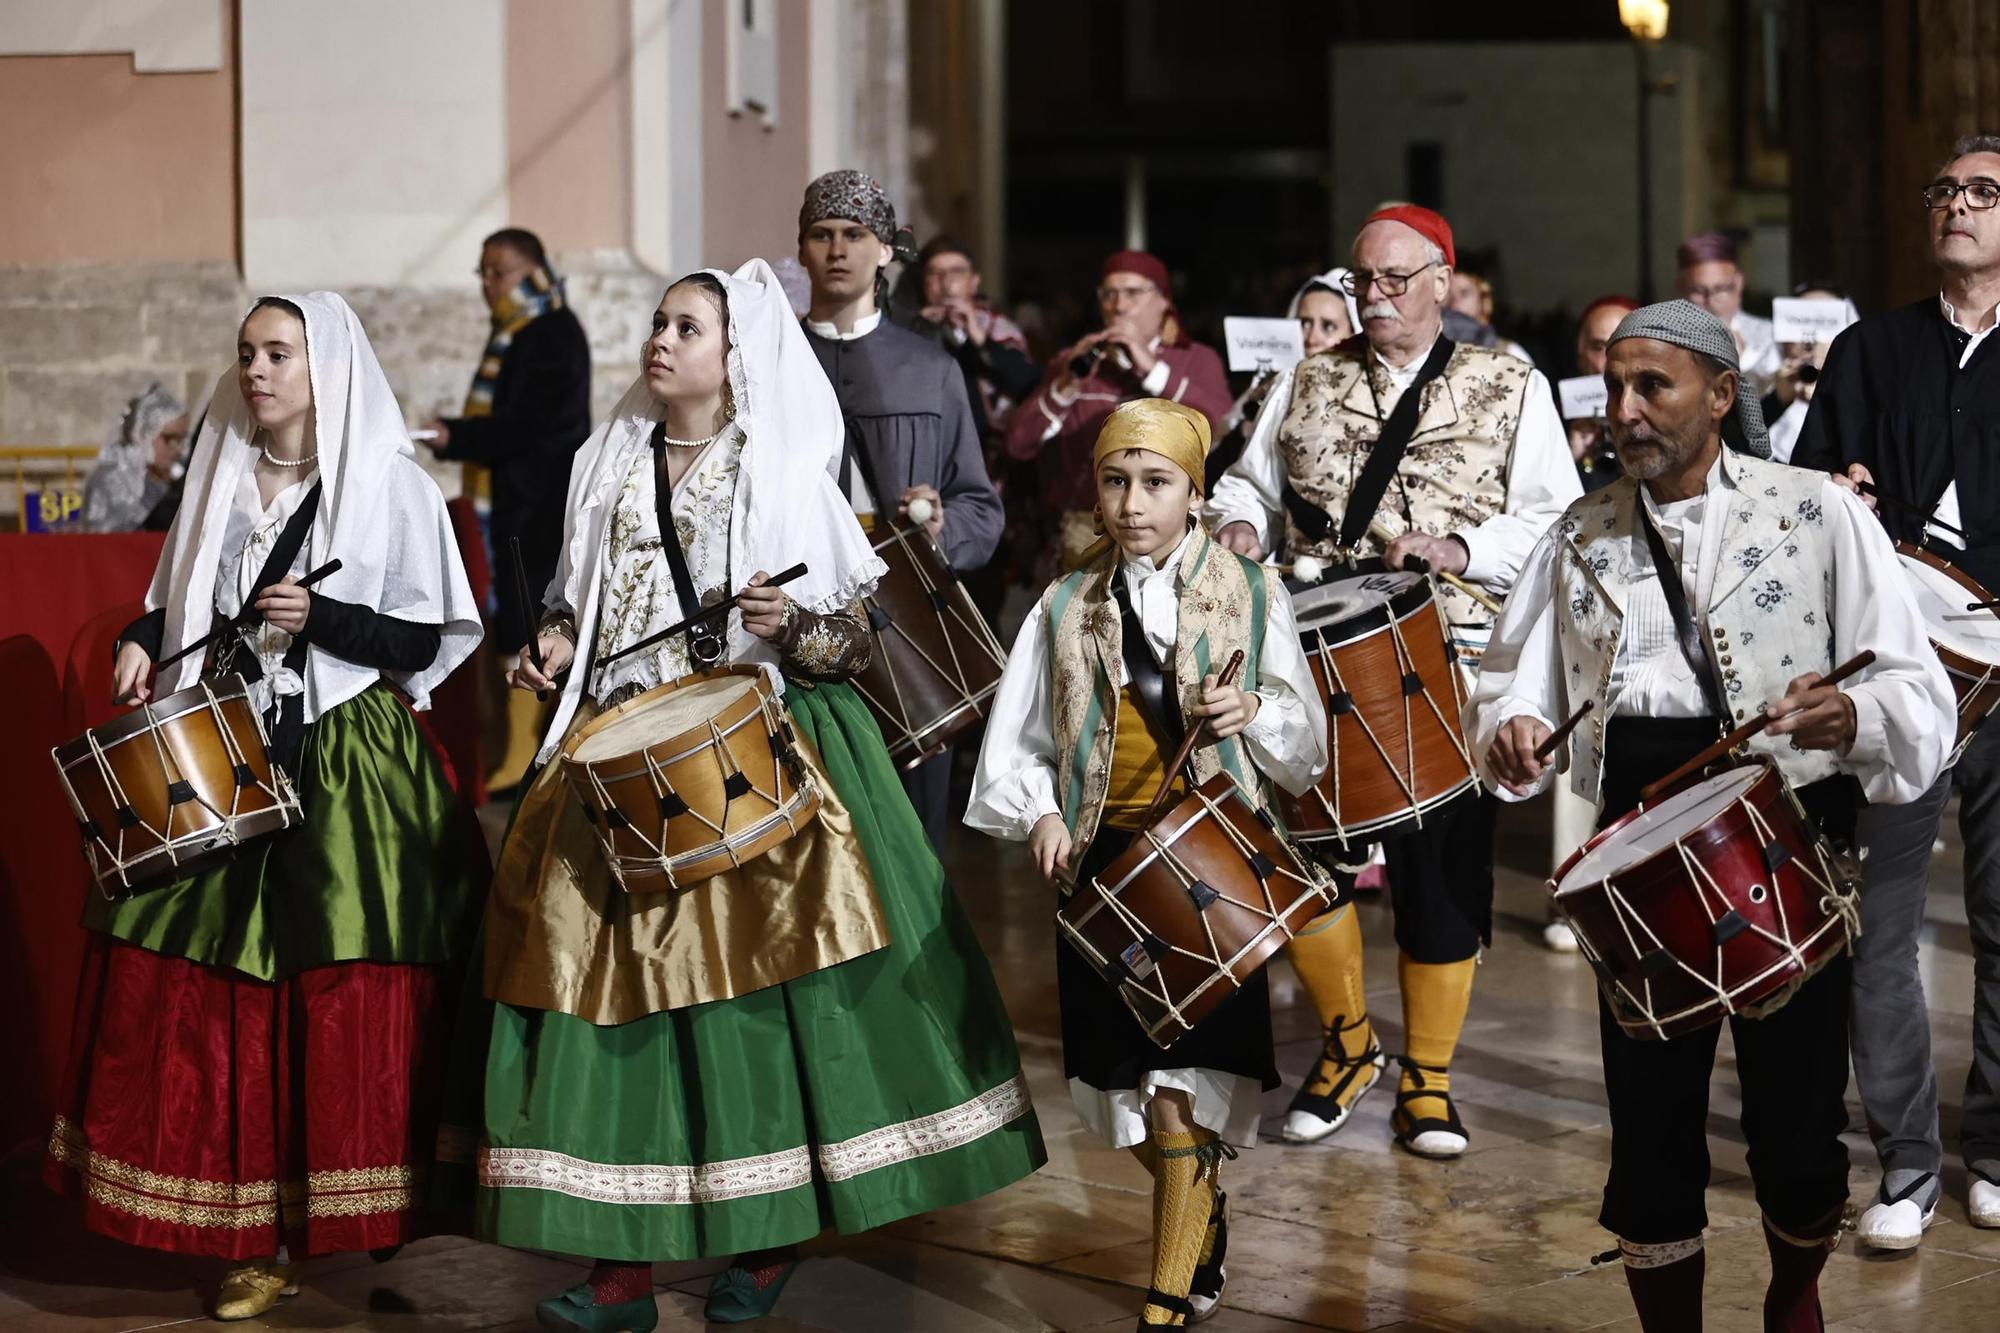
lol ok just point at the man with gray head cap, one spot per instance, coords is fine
(1701, 589)
(911, 435)
(1911, 398)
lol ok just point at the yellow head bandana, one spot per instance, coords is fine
(1175, 431)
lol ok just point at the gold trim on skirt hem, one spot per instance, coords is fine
(561, 935)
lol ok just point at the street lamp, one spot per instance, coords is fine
(1646, 20)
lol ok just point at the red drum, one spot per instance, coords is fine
(1720, 898)
(1967, 642)
(1193, 908)
(936, 661)
(1393, 697)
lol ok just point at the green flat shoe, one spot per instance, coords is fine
(735, 1298)
(578, 1308)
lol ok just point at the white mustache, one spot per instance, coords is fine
(1380, 310)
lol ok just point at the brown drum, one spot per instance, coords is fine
(1393, 696)
(1719, 898)
(174, 785)
(691, 779)
(936, 661)
(1193, 908)
(1967, 641)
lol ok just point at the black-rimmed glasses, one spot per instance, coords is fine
(1359, 280)
(1979, 194)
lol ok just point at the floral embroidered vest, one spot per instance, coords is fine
(1769, 617)
(1225, 603)
(1454, 471)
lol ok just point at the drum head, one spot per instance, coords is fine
(1360, 597)
(1658, 828)
(1941, 602)
(663, 717)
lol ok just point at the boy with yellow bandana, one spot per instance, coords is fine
(1113, 669)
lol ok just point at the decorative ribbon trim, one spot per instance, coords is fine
(1637, 1255)
(747, 1177)
(192, 1202)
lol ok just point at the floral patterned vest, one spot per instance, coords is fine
(1454, 471)
(1225, 602)
(1769, 617)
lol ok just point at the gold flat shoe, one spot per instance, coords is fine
(251, 1290)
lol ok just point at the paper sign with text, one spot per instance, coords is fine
(1796, 321)
(1583, 397)
(1263, 344)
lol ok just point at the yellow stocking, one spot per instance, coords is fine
(1184, 1189)
(1327, 956)
(1435, 998)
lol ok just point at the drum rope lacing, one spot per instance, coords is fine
(975, 625)
(1163, 851)
(285, 798)
(662, 787)
(1406, 664)
(1840, 907)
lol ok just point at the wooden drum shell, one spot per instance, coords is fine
(1976, 684)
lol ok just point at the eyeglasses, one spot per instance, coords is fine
(1120, 295)
(1979, 194)
(1359, 280)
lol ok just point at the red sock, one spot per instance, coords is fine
(1791, 1302)
(767, 1266)
(1668, 1298)
(614, 1282)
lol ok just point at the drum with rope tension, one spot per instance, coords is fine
(1967, 640)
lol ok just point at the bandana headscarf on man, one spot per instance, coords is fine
(1685, 324)
(859, 197)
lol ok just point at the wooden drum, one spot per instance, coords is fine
(1967, 641)
(174, 785)
(691, 779)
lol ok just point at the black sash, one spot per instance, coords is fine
(704, 638)
(1383, 457)
(1669, 571)
(286, 721)
(1157, 700)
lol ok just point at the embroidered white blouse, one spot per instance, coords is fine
(249, 535)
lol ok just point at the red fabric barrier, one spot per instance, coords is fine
(55, 583)
(42, 883)
(87, 675)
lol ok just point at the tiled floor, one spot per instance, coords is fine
(1346, 1235)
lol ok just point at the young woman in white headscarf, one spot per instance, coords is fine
(1327, 314)
(253, 1067)
(811, 1040)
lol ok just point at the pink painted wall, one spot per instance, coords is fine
(108, 166)
(569, 133)
(754, 177)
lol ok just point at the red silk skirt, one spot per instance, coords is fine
(208, 1113)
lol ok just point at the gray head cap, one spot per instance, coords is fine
(1685, 324)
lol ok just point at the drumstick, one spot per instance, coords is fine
(244, 619)
(1159, 804)
(533, 647)
(1983, 606)
(1860, 661)
(1476, 593)
(1898, 502)
(1561, 734)
(783, 576)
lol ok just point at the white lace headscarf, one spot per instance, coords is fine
(115, 498)
(787, 509)
(380, 514)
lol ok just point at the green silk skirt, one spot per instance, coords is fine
(876, 1089)
(384, 867)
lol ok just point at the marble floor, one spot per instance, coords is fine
(1349, 1234)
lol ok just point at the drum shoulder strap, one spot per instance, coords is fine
(708, 632)
(1157, 700)
(1686, 631)
(1383, 458)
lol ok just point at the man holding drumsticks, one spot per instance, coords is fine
(1778, 576)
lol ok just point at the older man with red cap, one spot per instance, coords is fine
(1141, 352)
(1400, 444)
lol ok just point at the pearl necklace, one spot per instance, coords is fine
(673, 443)
(265, 449)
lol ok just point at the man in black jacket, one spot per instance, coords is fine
(527, 411)
(1910, 399)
